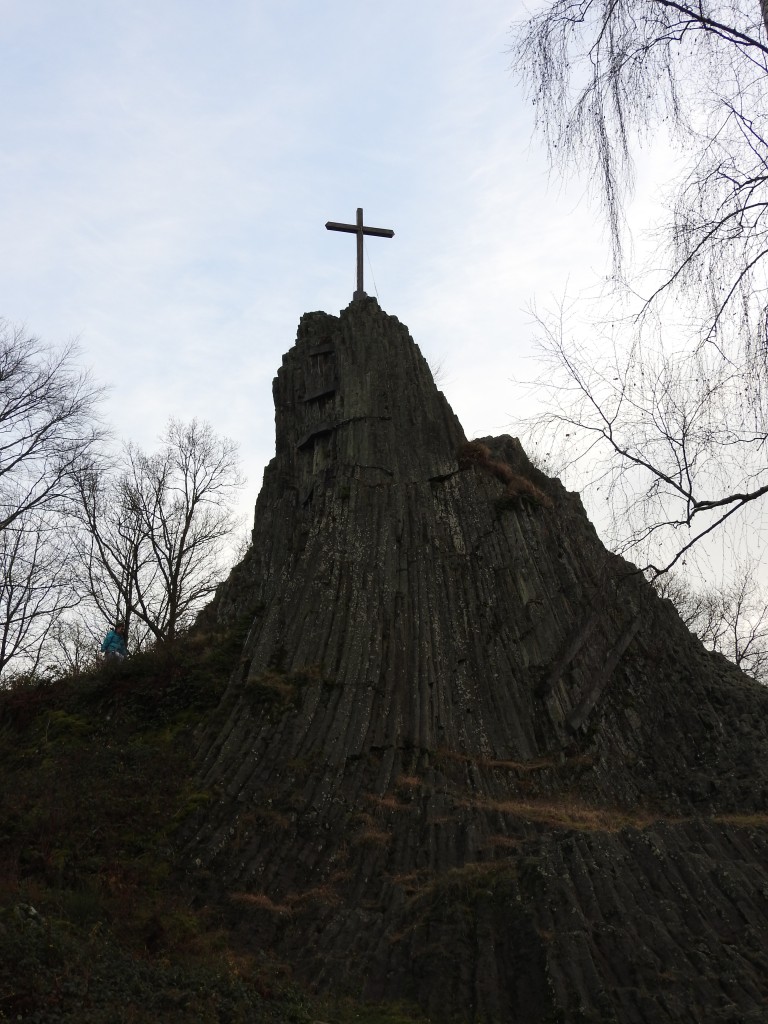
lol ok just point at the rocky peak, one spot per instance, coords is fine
(457, 715)
(355, 396)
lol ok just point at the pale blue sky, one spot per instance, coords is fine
(167, 169)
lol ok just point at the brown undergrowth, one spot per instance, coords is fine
(567, 814)
(409, 782)
(516, 486)
(536, 764)
(100, 919)
(558, 814)
(742, 820)
(319, 895)
(456, 892)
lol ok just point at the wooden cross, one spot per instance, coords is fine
(359, 230)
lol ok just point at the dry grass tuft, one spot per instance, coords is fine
(756, 820)
(409, 782)
(411, 881)
(503, 843)
(475, 453)
(387, 801)
(536, 764)
(466, 881)
(521, 487)
(568, 815)
(273, 686)
(370, 832)
(260, 901)
(372, 837)
(325, 895)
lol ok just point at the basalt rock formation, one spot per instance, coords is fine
(469, 757)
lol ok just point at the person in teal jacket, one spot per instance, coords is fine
(113, 646)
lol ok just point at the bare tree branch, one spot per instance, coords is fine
(47, 423)
(605, 75)
(152, 533)
(731, 619)
(670, 420)
(35, 588)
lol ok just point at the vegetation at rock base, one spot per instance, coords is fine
(97, 923)
(102, 920)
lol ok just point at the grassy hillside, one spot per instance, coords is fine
(97, 924)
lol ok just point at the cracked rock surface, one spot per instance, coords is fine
(469, 757)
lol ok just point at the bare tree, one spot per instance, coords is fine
(47, 423)
(665, 443)
(111, 551)
(731, 619)
(603, 74)
(35, 588)
(48, 429)
(669, 397)
(155, 530)
(73, 642)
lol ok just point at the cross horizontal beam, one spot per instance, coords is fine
(333, 225)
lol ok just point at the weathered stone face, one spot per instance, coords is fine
(460, 724)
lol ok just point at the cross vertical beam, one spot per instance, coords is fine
(359, 229)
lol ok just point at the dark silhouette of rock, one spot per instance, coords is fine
(469, 757)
